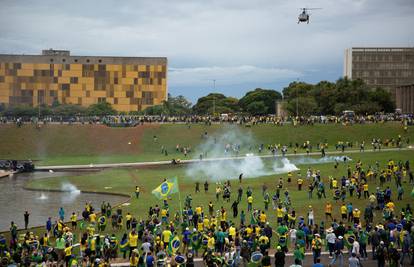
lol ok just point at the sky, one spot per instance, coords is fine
(240, 44)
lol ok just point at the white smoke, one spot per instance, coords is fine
(229, 144)
(43, 196)
(327, 159)
(71, 192)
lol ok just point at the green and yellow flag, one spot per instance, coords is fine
(170, 186)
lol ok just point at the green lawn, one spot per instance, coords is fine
(85, 144)
(124, 181)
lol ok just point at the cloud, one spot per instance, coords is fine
(228, 75)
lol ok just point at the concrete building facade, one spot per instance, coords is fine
(128, 83)
(386, 67)
(404, 98)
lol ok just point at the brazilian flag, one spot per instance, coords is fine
(174, 245)
(170, 186)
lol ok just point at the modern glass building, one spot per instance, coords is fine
(128, 83)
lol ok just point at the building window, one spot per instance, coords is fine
(63, 60)
(100, 60)
(76, 60)
(51, 60)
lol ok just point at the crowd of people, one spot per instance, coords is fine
(238, 239)
(248, 120)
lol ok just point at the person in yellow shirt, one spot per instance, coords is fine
(128, 219)
(335, 183)
(366, 192)
(134, 258)
(344, 212)
(211, 242)
(213, 222)
(166, 235)
(198, 210)
(164, 215)
(391, 206)
(249, 203)
(356, 214)
(262, 218)
(206, 223)
(300, 183)
(92, 218)
(328, 211)
(133, 241)
(232, 233)
(200, 225)
(68, 253)
(73, 219)
(279, 214)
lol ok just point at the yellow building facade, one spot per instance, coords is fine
(127, 83)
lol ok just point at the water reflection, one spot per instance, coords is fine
(14, 200)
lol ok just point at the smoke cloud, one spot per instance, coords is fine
(327, 159)
(71, 192)
(229, 144)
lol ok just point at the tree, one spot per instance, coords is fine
(217, 103)
(21, 111)
(257, 108)
(266, 96)
(383, 99)
(100, 109)
(178, 105)
(157, 110)
(305, 105)
(67, 110)
(334, 98)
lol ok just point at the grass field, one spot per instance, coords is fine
(85, 144)
(124, 181)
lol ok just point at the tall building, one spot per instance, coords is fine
(386, 67)
(404, 98)
(128, 83)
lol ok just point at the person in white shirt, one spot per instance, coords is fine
(355, 248)
(310, 216)
(330, 238)
(292, 236)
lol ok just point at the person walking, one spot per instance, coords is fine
(338, 254)
(26, 219)
(61, 214)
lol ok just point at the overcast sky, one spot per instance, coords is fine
(240, 44)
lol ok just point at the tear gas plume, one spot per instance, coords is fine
(228, 144)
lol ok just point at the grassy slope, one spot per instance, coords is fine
(63, 144)
(123, 181)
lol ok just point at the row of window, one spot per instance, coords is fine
(75, 60)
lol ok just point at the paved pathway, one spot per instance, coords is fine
(325, 260)
(167, 162)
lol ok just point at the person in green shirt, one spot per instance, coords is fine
(60, 246)
(363, 240)
(242, 218)
(298, 253)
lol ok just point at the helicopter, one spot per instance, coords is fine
(304, 16)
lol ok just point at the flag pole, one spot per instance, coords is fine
(179, 199)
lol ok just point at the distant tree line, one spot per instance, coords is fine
(327, 98)
(323, 98)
